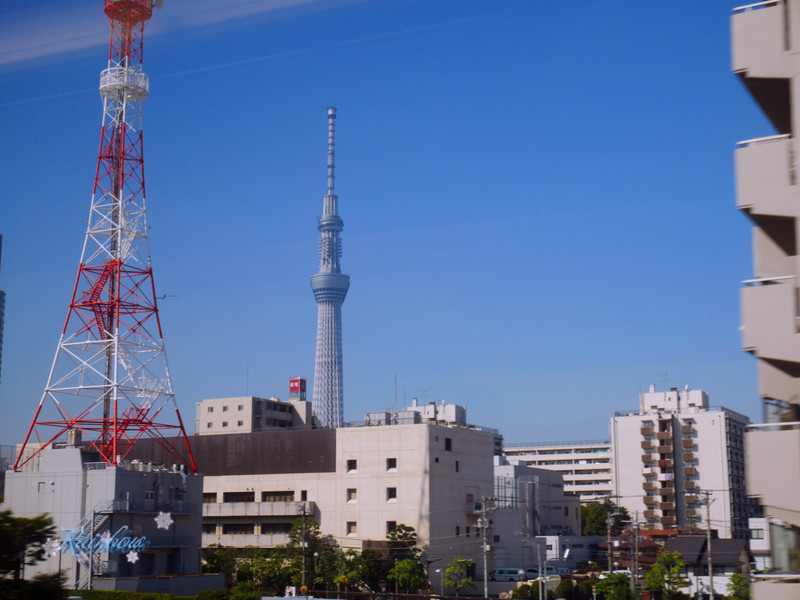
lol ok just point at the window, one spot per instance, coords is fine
(209, 497)
(42, 486)
(456, 466)
(303, 495)
(458, 530)
(448, 444)
(466, 531)
(496, 539)
(352, 465)
(208, 425)
(391, 464)
(209, 528)
(275, 528)
(224, 409)
(240, 407)
(436, 460)
(239, 423)
(352, 495)
(237, 528)
(756, 534)
(352, 528)
(224, 423)
(390, 526)
(470, 498)
(391, 494)
(149, 495)
(211, 409)
(239, 497)
(282, 496)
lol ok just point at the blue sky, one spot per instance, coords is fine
(538, 199)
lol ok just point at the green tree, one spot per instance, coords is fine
(666, 575)
(564, 588)
(408, 574)
(402, 543)
(739, 587)
(594, 518)
(456, 574)
(530, 592)
(615, 586)
(219, 559)
(21, 541)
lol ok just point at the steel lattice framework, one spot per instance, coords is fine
(330, 287)
(110, 378)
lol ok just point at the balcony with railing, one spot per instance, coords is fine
(688, 456)
(664, 435)
(766, 176)
(759, 39)
(257, 509)
(770, 317)
(646, 430)
(773, 468)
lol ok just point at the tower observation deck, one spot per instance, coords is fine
(330, 287)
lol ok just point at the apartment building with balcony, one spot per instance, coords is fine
(675, 453)
(584, 465)
(765, 43)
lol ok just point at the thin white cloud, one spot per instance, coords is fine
(41, 30)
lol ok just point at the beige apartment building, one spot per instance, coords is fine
(674, 453)
(585, 466)
(765, 45)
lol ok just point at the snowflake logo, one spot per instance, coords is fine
(105, 539)
(132, 556)
(51, 547)
(163, 520)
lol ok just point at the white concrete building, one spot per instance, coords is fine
(671, 451)
(358, 482)
(585, 466)
(142, 519)
(244, 414)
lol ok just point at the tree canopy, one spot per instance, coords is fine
(594, 518)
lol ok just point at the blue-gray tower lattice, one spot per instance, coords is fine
(330, 287)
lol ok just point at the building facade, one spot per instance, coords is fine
(245, 414)
(765, 42)
(674, 454)
(143, 519)
(585, 466)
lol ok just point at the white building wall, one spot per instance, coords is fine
(672, 450)
(584, 465)
(436, 470)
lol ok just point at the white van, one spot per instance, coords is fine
(505, 574)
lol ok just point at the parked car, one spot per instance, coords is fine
(534, 573)
(505, 574)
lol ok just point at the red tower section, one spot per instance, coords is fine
(110, 378)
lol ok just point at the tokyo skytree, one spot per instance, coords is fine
(330, 287)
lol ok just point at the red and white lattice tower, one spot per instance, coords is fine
(110, 378)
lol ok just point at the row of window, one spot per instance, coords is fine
(352, 465)
(250, 496)
(248, 528)
(391, 494)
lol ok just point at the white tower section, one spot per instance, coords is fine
(330, 287)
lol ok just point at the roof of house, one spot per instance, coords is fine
(723, 551)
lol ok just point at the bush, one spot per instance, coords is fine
(213, 595)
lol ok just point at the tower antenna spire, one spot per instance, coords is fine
(330, 287)
(109, 380)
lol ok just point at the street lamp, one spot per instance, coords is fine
(441, 581)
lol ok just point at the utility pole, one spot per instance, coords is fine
(708, 502)
(484, 524)
(608, 534)
(635, 552)
(303, 587)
